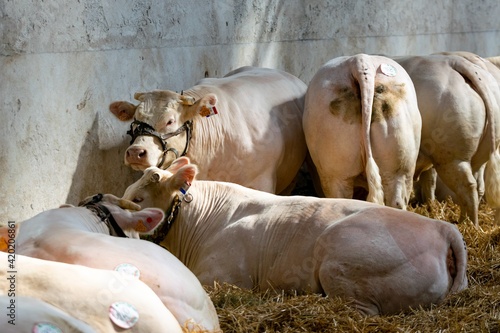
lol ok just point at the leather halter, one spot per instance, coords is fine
(139, 128)
(104, 214)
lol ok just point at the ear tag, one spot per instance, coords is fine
(185, 187)
(207, 111)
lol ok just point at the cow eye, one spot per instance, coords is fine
(170, 122)
(137, 200)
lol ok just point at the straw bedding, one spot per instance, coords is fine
(476, 309)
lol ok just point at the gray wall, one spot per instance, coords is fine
(63, 62)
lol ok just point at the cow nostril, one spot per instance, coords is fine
(136, 153)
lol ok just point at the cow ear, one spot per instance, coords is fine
(143, 221)
(123, 110)
(184, 175)
(206, 105)
(147, 220)
(178, 163)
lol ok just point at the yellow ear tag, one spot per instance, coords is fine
(207, 111)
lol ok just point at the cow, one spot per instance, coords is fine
(362, 128)
(459, 105)
(81, 235)
(255, 139)
(381, 258)
(108, 301)
(431, 180)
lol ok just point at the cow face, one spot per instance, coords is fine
(157, 135)
(157, 187)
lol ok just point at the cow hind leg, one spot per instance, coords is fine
(459, 178)
(335, 188)
(427, 182)
(336, 283)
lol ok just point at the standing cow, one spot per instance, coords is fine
(362, 127)
(459, 103)
(81, 235)
(255, 140)
(434, 188)
(384, 259)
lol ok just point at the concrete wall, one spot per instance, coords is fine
(63, 62)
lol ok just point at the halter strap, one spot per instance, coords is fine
(104, 214)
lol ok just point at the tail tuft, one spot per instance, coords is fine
(375, 191)
(492, 181)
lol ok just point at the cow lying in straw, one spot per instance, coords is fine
(81, 235)
(97, 297)
(385, 260)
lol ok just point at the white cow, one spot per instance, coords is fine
(255, 140)
(431, 181)
(383, 259)
(459, 104)
(99, 298)
(79, 235)
(362, 127)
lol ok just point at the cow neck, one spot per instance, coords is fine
(103, 213)
(161, 232)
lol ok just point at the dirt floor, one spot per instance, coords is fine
(476, 309)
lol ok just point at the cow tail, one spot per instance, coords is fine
(365, 74)
(487, 87)
(457, 260)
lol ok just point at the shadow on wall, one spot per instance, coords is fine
(100, 170)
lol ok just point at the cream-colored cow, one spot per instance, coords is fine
(459, 104)
(106, 300)
(383, 259)
(362, 128)
(80, 235)
(430, 180)
(255, 139)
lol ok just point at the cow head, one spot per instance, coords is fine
(157, 187)
(129, 216)
(159, 132)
